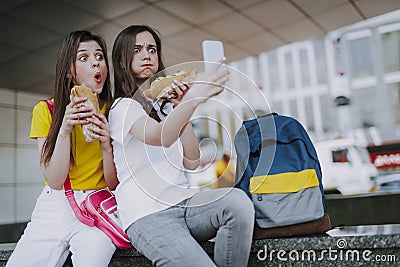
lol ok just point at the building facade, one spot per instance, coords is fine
(308, 80)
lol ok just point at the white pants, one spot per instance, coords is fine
(54, 231)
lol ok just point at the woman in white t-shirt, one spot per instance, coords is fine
(164, 218)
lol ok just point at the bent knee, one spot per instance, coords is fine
(240, 206)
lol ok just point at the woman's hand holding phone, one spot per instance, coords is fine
(209, 83)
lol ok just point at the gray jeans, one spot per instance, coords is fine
(170, 237)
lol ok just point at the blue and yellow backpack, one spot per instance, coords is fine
(278, 168)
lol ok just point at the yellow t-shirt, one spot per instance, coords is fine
(87, 170)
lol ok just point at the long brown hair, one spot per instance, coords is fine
(125, 82)
(64, 81)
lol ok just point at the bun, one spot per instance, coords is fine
(92, 101)
(160, 88)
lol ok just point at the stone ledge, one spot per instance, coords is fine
(294, 251)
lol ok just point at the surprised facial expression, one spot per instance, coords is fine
(90, 66)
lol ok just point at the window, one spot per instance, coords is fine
(305, 68)
(360, 57)
(391, 51)
(289, 70)
(293, 108)
(394, 94)
(365, 105)
(309, 114)
(277, 107)
(273, 70)
(320, 61)
(340, 156)
(326, 104)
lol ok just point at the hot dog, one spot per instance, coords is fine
(160, 88)
(83, 90)
(92, 101)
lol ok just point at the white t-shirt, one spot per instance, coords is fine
(151, 177)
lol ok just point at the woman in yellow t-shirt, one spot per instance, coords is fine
(54, 230)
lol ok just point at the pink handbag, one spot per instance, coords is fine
(98, 209)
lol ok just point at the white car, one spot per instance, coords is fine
(346, 166)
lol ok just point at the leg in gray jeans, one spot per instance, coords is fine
(170, 237)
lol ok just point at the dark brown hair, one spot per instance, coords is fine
(125, 82)
(64, 81)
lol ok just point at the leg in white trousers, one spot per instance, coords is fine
(54, 231)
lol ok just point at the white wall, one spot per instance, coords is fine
(21, 179)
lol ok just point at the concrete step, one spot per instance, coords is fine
(345, 246)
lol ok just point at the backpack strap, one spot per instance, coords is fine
(69, 193)
(50, 105)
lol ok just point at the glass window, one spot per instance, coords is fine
(391, 51)
(320, 60)
(277, 107)
(326, 103)
(273, 70)
(340, 156)
(364, 104)
(394, 93)
(289, 70)
(293, 108)
(309, 113)
(360, 56)
(305, 68)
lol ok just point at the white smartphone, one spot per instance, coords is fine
(213, 51)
